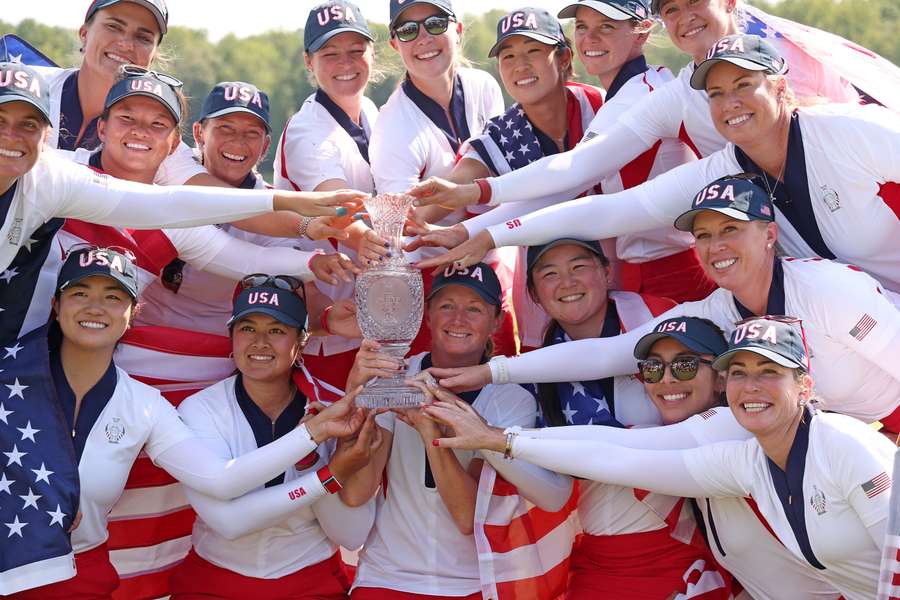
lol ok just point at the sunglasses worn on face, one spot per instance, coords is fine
(409, 30)
(282, 282)
(136, 71)
(683, 368)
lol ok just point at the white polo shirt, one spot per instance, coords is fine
(836, 485)
(415, 546)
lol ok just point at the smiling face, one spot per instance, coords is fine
(745, 105)
(428, 56)
(461, 322)
(764, 396)
(530, 70)
(264, 348)
(94, 313)
(677, 400)
(733, 252)
(232, 145)
(137, 136)
(124, 33)
(343, 65)
(695, 25)
(570, 283)
(604, 44)
(23, 130)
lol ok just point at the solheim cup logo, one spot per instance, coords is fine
(389, 303)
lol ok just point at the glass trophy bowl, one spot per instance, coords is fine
(389, 304)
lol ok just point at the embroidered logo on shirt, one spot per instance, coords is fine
(863, 327)
(115, 430)
(15, 232)
(830, 198)
(818, 501)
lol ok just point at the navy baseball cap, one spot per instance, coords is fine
(479, 277)
(282, 305)
(535, 23)
(736, 197)
(229, 97)
(780, 339)
(695, 334)
(398, 6)
(746, 51)
(536, 252)
(156, 7)
(331, 18)
(108, 262)
(618, 10)
(145, 85)
(21, 83)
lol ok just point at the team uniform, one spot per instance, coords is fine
(839, 199)
(848, 322)
(280, 538)
(396, 557)
(319, 143)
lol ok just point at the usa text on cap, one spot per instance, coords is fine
(230, 97)
(149, 86)
(89, 261)
(156, 7)
(21, 83)
(746, 51)
(398, 6)
(695, 334)
(535, 23)
(618, 10)
(780, 339)
(282, 305)
(479, 277)
(736, 197)
(331, 18)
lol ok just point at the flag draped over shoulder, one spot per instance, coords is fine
(889, 580)
(872, 75)
(38, 471)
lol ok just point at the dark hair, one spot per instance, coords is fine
(569, 73)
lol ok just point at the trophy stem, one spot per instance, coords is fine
(390, 392)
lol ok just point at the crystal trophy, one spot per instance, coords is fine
(389, 303)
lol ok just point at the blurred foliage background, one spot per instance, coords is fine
(273, 61)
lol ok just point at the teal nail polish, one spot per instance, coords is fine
(341, 211)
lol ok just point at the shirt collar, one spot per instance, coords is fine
(357, 133)
(470, 396)
(456, 127)
(633, 67)
(775, 301)
(71, 118)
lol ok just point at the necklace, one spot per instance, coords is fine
(771, 188)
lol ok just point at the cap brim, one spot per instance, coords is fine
(642, 348)
(484, 295)
(278, 315)
(118, 279)
(235, 109)
(148, 95)
(723, 360)
(613, 12)
(562, 242)
(540, 37)
(698, 77)
(28, 100)
(323, 39)
(685, 221)
(414, 3)
(160, 18)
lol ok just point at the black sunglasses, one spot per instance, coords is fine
(282, 282)
(136, 71)
(683, 368)
(409, 30)
(82, 246)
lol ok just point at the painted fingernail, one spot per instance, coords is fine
(359, 216)
(387, 245)
(389, 254)
(435, 442)
(341, 211)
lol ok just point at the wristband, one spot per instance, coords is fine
(484, 191)
(328, 481)
(508, 450)
(499, 370)
(324, 319)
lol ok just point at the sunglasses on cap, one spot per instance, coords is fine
(282, 282)
(95, 248)
(409, 30)
(136, 71)
(683, 368)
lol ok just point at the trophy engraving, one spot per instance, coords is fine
(389, 303)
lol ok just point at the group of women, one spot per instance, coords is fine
(691, 250)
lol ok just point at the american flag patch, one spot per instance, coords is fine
(877, 484)
(863, 327)
(708, 414)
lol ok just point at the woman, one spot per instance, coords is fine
(609, 39)
(113, 417)
(819, 479)
(827, 168)
(279, 541)
(848, 319)
(41, 191)
(397, 561)
(675, 362)
(325, 147)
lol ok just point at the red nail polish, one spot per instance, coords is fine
(435, 442)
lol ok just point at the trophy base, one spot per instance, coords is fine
(388, 393)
